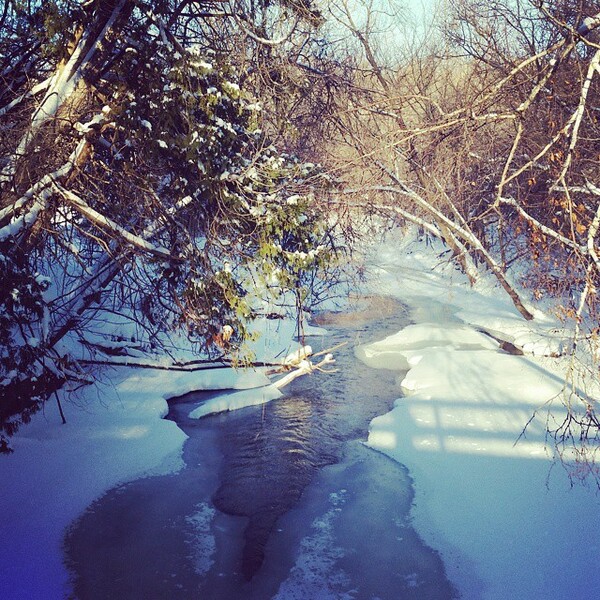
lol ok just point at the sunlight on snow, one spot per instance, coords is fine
(480, 445)
(135, 431)
(461, 396)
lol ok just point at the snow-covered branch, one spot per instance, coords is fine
(591, 238)
(39, 188)
(27, 220)
(110, 226)
(262, 40)
(62, 85)
(304, 367)
(464, 233)
(34, 91)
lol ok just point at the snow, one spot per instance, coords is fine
(496, 506)
(505, 520)
(295, 357)
(235, 401)
(315, 574)
(200, 539)
(115, 432)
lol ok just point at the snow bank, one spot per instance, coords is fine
(236, 400)
(505, 519)
(115, 432)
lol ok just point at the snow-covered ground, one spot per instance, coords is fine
(115, 432)
(506, 521)
(507, 525)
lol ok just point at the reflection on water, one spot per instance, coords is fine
(269, 461)
(276, 501)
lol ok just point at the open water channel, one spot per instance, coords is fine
(278, 501)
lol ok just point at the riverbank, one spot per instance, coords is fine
(491, 496)
(280, 501)
(115, 432)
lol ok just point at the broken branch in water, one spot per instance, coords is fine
(303, 366)
(297, 360)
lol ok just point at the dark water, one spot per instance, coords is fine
(276, 501)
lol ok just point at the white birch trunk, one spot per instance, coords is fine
(61, 87)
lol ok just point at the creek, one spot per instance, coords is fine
(277, 501)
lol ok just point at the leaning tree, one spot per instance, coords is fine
(139, 183)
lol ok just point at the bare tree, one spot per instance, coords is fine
(488, 138)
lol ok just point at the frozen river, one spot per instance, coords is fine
(276, 501)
